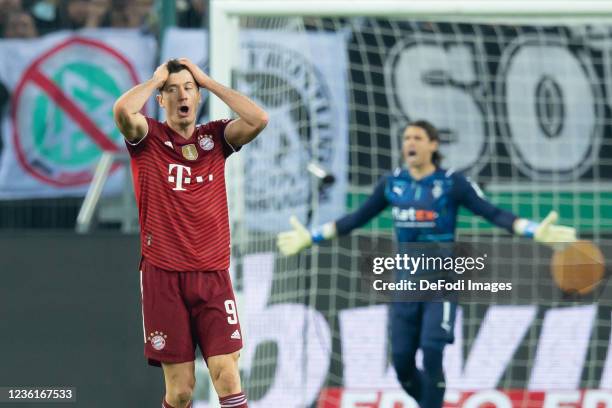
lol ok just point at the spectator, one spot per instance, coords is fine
(19, 24)
(78, 14)
(192, 13)
(131, 14)
(98, 13)
(140, 11)
(73, 13)
(8, 6)
(46, 15)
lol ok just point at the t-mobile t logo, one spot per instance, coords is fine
(182, 176)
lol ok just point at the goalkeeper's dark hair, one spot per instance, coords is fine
(432, 134)
(173, 67)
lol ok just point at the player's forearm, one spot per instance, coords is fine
(344, 225)
(135, 99)
(501, 218)
(324, 232)
(524, 227)
(248, 110)
(373, 206)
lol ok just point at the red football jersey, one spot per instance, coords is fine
(180, 191)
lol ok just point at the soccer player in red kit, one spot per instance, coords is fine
(178, 171)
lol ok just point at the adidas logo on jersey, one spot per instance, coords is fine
(236, 335)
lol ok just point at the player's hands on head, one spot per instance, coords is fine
(201, 78)
(161, 75)
(294, 241)
(555, 236)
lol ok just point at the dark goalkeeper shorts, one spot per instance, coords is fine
(183, 309)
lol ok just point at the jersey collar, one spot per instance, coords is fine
(177, 138)
(425, 179)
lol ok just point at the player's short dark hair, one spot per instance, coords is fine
(432, 134)
(173, 67)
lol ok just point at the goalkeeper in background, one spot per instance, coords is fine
(425, 200)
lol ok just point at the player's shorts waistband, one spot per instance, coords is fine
(146, 262)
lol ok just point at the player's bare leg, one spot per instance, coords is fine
(180, 381)
(226, 380)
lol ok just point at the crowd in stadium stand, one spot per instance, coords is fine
(33, 18)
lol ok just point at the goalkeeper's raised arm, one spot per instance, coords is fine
(299, 238)
(425, 200)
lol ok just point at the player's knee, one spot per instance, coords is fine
(180, 380)
(227, 380)
(224, 373)
(404, 365)
(433, 364)
(180, 386)
(407, 374)
(180, 393)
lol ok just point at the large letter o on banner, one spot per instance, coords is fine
(549, 105)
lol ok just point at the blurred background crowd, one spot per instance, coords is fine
(33, 18)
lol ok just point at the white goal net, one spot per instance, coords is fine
(523, 108)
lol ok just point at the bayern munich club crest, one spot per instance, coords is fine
(158, 340)
(206, 142)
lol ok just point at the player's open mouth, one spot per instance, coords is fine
(183, 110)
(411, 153)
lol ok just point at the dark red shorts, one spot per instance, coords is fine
(183, 309)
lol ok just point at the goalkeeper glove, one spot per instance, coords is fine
(546, 232)
(299, 238)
